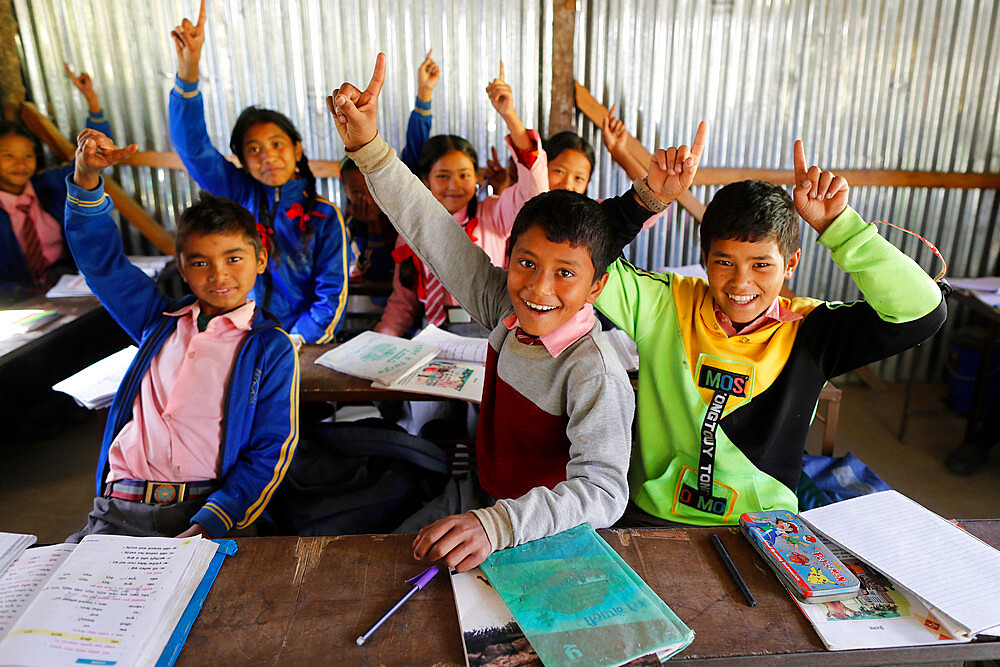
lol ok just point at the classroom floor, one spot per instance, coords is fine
(46, 488)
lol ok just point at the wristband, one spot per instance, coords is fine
(646, 196)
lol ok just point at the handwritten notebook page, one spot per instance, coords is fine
(947, 567)
(22, 581)
(112, 600)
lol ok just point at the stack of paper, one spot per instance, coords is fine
(70, 285)
(11, 546)
(950, 572)
(13, 322)
(94, 387)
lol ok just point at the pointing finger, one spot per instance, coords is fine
(800, 163)
(378, 77)
(501, 77)
(429, 52)
(700, 137)
(201, 14)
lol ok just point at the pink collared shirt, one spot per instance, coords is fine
(49, 229)
(568, 333)
(774, 313)
(176, 425)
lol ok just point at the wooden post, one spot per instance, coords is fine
(129, 208)
(12, 91)
(563, 112)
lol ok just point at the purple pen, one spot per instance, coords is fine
(418, 582)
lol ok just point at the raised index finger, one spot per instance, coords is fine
(501, 77)
(378, 76)
(68, 70)
(428, 56)
(201, 14)
(800, 162)
(700, 137)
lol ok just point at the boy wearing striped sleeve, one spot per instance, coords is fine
(205, 422)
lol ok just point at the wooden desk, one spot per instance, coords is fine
(319, 383)
(73, 311)
(288, 600)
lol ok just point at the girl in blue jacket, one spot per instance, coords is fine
(309, 250)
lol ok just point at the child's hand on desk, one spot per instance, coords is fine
(188, 39)
(427, 78)
(672, 171)
(459, 540)
(195, 530)
(355, 112)
(94, 152)
(820, 196)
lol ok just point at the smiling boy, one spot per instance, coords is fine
(553, 438)
(729, 372)
(205, 421)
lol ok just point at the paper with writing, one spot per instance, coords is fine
(22, 581)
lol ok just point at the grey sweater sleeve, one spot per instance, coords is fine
(600, 409)
(462, 267)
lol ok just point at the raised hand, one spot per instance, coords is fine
(94, 152)
(613, 132)
(495, 174)
(85, 85)
(355, 112)
(188, 39)
(501, 96)
(820, 196)
(672, 171)
(427, 77)
(459, 540)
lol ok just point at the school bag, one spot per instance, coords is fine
(355, 478)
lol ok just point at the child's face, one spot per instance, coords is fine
(570, 170)
(452, 180)
(360, 204)
(221, 269)
(548, 282)
(17, 163)
(270, 155)
(745, 277)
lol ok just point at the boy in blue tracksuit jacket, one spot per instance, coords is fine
(258, 428)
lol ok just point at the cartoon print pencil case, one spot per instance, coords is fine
(805, 565)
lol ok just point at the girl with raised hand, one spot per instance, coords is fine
(308, 248)
(448, 166)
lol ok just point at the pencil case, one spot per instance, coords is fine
(806, 566)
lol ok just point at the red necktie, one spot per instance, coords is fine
(32, 248)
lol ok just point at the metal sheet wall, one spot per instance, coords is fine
(287, 55)
(879, 84)
(867, 84)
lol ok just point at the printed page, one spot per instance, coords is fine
(12, 545)
(111, 600)
(22, 581)
(445, 378)
(377, 357)
(950, 569)
(94, 387)
(454, 347)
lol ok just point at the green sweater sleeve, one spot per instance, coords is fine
(632, 297)
(893, 284)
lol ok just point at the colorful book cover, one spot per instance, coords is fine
(579, 603)
(805, 565)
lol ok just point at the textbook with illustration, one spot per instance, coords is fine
(406, 365)
(578, 602)
(110, 600)
(949, 571)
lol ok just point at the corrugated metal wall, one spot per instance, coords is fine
(867, 84)
(880, 84)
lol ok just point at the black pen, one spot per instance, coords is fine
(728, 562)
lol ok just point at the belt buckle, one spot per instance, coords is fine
(457, 315)
(164, 493)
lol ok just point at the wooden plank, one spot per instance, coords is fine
(596, 112)
(12, 91)
(562, 114)
(129, 208)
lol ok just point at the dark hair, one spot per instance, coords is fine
(8, 127)
(569, 217)
(568, 140)
(347, 164)
(255, 116)
(216, 215)
(436, 148)
(752, 211)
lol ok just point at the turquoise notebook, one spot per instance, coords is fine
(579, 603)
